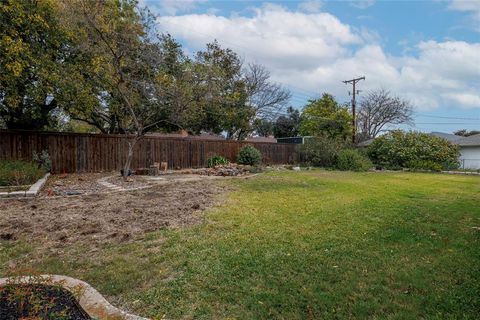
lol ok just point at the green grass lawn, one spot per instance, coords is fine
(308, 245)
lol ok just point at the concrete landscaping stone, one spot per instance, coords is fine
(15, 194)
(30, 193)
(39, 184)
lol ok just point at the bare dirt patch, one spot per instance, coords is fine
(107, 217)
(63, 184)
(131, 182)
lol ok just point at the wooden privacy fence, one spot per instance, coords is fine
(76, 152)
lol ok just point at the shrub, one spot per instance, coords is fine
(43, 160)
(16, 173)
(320, 151)
(403, 149)
(216, 160)
(353, 160)
(423, 165)
(249, 155)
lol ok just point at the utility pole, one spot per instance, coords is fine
(353, 82)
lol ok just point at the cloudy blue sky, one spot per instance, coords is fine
(425, 51)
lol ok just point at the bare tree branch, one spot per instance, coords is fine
(266, 97)
(378, 109)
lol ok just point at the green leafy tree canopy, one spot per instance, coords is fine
(40, 69)
(325, 116)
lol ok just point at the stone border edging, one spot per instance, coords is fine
(113, 188)
(466, 173)
(90, 299)
(30, 193)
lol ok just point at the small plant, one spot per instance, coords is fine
(249, 155)
(217, 160)
(352, 160)
(17, 173)
(43, 160)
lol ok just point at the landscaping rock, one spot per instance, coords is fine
(227, 170)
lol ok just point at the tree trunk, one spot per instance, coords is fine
(131, 145)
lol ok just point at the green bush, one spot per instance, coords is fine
(320, 151)
(16, 173)
(249, 155)
(423, 165)
(352, 160)
(216, 160)
(399, 149)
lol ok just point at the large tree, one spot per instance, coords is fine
(326, 117)
(287, 125)
(263, 127)
(101, 63)
(219, 93)
(231, 97)
(41, 73)
(378, 109)
(128, 65)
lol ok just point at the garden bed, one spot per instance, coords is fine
(106, 217)
(23, 191)
(39, 301)
(53, 297)
(21, 178)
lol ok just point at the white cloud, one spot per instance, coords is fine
(285, 39)
(311, 6)
(315, 51)
(465, 5)
(465, 99)
(469, 6)
(362, 4)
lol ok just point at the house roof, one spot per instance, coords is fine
(471, 141)
(202, 136)
(447, 136)
(262, 139)
(365, 143)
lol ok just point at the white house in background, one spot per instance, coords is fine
(470, 152)
(469, 149)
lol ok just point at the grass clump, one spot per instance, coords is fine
(217, 160)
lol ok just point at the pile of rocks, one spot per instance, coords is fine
(227, 170)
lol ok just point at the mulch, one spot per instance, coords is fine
(39, 301)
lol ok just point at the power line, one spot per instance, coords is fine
(446, 117)
(449, 123)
